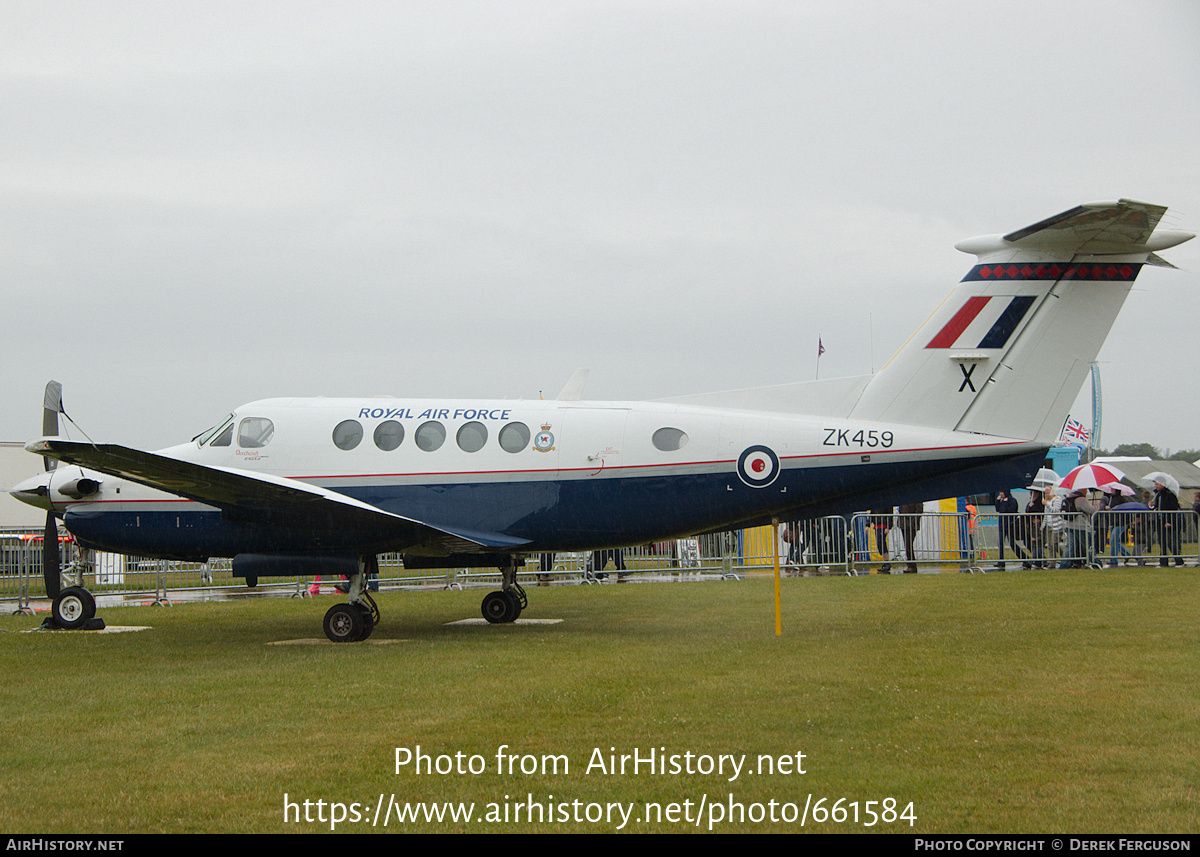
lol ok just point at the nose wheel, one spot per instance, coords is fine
(73, 607)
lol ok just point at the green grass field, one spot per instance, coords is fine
(1018, 702)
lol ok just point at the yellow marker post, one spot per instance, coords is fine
(775, 563)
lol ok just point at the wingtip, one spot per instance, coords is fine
(41, 446)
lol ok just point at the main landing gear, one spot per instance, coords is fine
(354, 622)
(505, 605)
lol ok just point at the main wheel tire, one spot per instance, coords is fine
(343, 623)
(497, 607)
(73, 607)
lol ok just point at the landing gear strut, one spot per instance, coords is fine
(354, 622)
(505, 605)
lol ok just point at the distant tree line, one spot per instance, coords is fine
(1151, 451)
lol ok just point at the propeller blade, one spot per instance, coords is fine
(51, 564)
(51, 408)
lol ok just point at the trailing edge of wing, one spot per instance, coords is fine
(265, 499)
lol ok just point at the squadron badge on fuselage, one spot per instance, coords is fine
(543, 441)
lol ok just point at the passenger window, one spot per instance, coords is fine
(255, 432)
(514, 437)
(430, 435)
(347, 434)
(389, 435)
(669, 439)
(472, 436)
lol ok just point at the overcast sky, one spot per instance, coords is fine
(209, 203)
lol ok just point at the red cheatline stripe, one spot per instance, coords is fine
(949, 334)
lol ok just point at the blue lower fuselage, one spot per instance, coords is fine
(553, 514)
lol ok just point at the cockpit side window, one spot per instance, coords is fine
(225, 437)
(220, 430)
(255, 432)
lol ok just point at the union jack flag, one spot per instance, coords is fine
(820, 347)
(1074, 431)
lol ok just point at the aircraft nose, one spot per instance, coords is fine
(35, 491)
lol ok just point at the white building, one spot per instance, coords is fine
(17, 465)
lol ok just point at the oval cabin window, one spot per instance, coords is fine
(347, 434)
(389, 435)
(430, 435)
(670, 439)
(472, 436)
(514, 437)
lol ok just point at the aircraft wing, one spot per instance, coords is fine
(264, 499)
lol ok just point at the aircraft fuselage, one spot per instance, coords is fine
(549, 475)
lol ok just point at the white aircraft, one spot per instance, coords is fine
(302, 486)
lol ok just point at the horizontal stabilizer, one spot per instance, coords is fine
(1125, 223)
(1117, 228)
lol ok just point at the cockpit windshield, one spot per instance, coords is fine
(205, 436)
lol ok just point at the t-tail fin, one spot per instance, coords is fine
(1008, 351)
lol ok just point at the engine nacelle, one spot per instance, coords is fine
(79, 488)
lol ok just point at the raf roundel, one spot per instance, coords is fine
(758, 466)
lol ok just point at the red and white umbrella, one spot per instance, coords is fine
(1091, 476)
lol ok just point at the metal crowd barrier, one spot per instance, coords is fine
(1141, 538)
(928, 541)
(992, 541)
(809, 547)
(1075, 540)
(159, 581)
(817, 546)
(880, 542)
(867, 542)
